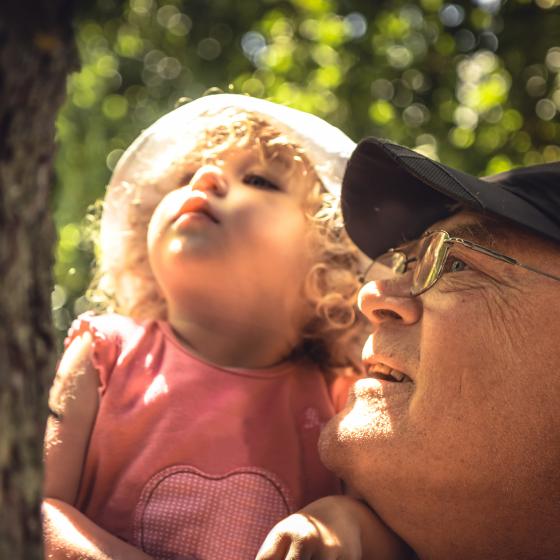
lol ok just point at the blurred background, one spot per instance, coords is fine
(475, 84)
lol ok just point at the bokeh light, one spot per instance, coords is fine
(475, 84)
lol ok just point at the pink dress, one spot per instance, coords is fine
(188, 460)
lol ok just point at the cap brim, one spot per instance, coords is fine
(391, 194)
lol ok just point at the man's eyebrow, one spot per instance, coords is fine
(477, 232)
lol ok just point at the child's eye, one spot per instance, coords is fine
(260, 182)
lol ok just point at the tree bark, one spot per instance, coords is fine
(36, 54)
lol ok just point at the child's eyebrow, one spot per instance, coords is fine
(282, 158)
(186, 172)
(185, 177)
(280, 166)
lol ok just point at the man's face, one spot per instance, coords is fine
(462, 457)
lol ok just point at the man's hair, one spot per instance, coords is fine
(334, 335)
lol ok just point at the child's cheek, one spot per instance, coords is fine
(155, 226)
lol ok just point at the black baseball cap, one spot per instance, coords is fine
(391, 194)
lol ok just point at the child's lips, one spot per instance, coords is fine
(196, 203)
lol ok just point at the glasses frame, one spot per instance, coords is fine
(442, 252)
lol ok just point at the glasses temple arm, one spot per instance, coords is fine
(500, 256)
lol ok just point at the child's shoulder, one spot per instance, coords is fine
(107, 326)
(111, 334)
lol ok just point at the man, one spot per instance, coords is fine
(454, 437)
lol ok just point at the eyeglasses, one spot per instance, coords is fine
(431, 260)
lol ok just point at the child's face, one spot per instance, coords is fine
(236, 232)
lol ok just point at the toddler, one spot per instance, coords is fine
(185, 418)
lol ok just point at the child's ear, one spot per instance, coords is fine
(159, 290)
(160, 295)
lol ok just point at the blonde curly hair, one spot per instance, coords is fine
(334, 335)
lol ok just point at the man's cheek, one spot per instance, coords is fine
(454, 343)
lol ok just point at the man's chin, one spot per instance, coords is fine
(330, 445)
(370, 420)
(338, 441)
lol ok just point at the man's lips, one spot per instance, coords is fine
(196, 203)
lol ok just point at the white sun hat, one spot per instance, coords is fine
(170, 138)
(166, 142)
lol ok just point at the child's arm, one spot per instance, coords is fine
(333, 528)
(73, 402)
(69, 534)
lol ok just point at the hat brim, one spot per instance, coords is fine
(391, 194)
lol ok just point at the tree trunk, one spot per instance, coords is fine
(36, 53)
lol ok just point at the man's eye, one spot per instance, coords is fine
(455, 265)
(260, 182)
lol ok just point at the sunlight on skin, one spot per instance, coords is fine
(309, 531)
(158, 387)
(176, 246)
(375, 290)
(369, 408)
(301, 524)
(64, 526)
(369, 412)
(52, 434)
(371, 289)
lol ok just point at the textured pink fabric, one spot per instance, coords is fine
(190, 460)
(179, 501)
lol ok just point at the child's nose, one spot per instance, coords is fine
(210, 178)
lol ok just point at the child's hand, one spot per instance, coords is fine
(305, 536)
(333, 528)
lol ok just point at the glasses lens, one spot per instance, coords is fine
(386, 266)
(432, 252)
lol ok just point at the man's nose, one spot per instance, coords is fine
(210, 178)
(379, 303)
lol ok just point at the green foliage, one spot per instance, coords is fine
(475, 84)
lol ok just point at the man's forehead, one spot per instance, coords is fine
(469, 225)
